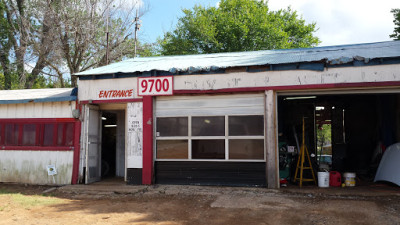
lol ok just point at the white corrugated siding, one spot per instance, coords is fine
(31, 166)
(37, 110)
(210, 105)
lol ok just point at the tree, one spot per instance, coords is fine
(237, 25)
(396, 21)
(81, 27)
(42, 42)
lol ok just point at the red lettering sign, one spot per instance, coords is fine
(116, 93)
(155, 86)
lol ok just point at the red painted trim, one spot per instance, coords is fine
(2, 134)
(36, 148)
(293, 87)
(112, 101)
(77, 147)
(147, 171)
(38, 120)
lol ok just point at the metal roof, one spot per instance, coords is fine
(37, 95)
(332, 55)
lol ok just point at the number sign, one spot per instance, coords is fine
(155, 86)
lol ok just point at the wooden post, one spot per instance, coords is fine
(272, 171)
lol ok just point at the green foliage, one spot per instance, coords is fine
(396, 21)
(14, 81)
(237, 25)
(324, 137)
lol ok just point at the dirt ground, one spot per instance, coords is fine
(107, 204)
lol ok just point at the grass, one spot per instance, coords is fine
(26, 201)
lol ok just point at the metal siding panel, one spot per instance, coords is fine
(211, 173)
(31, 166)
(55, 109)
(38, 109)
(210, 105)
(18, 110)
(30, 110)
(36, 95)
(214, 62)
(3, 111)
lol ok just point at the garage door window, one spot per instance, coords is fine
(208, 126)
(172, 149)
(210, 138)
(172, 126)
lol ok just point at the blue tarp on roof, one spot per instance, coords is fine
(38, 95)
(330, 55)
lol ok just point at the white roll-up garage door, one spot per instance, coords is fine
(210, 139)
(235, 104)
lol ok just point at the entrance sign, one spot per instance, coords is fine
(155, 86)
(115, 94)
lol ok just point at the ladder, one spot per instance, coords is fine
(301, 160)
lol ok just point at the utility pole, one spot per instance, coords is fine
(137, 27)
(107, 35)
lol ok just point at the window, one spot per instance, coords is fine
(37, 133)
(172, 149)
(246, 125)
(69, 134)
(246, 149)
(11, 134)
(210, 138)
(208, 126)
(29, 135)
(172, 126)
(208, 149)
(48, 135)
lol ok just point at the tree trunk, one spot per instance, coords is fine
(5, 64)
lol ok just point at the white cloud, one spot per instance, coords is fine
(344, 21)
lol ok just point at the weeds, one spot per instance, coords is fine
(25, 201)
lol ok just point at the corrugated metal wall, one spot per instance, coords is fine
(37, 110)
(31, 166)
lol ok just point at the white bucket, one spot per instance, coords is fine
(349, 179)
(323, 179)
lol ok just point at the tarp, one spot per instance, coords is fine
(389, 167)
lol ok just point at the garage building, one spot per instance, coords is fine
(230, 116)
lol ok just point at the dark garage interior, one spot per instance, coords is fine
(344, 133)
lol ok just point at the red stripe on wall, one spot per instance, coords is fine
(36, 148)
(112, 101)
(293, 87)
(37, 120)
(147, 171)
(77, 148)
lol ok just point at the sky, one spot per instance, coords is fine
(339, 21)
